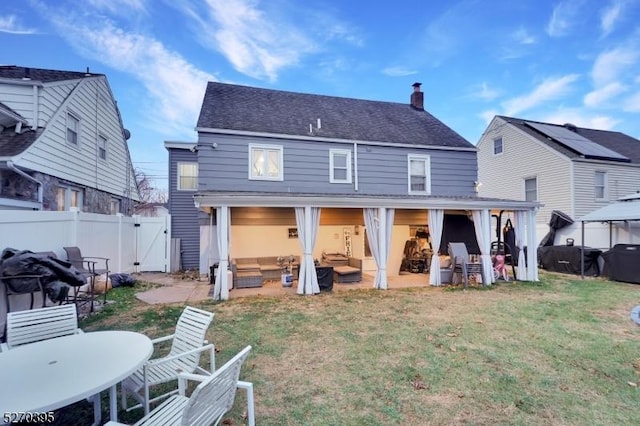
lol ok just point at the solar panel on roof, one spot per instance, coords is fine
(576, 142)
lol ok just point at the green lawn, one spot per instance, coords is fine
(559, 352)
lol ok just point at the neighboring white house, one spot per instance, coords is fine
(62, 143)
(565, 167)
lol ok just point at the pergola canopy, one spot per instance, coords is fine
(624, 209)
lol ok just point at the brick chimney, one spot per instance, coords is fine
(417, 97)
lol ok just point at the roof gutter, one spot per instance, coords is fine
(14, 168)
(322, 139)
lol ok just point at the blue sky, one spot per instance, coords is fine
(563, 61)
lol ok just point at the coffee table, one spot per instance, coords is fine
(47, 375)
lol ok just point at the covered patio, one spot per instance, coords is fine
(378, 218)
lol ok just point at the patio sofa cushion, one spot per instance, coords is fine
(350, 273)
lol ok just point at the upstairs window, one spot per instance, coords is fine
(265, 162)
(102, 147)
(601, 185)
(497, 146)
(73, 129)
(187, 176)
(340, 166)
(531, 189)
(419, 174)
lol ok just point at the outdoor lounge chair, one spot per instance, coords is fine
(88, 266)
(188, 342)
(210, 400)
(461, 263)
(25, 327)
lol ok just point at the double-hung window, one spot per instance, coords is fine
(73, 129)
(531, 189)
(340, 166)
(187, 176)
(497, 146)
(102, 147)
(419, 174)
(601, 185)
(265, 162)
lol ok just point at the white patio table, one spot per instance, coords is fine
(47, 375)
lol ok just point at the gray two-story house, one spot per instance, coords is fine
(278, 173)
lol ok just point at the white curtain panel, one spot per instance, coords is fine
(521, 224)
(532, 253)
(221, 287)
(436, 218)
(308, 221)
(379, 223)
(482, 225)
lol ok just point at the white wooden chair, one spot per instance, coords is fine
(31, 326)
(188, 343)
(210, 400)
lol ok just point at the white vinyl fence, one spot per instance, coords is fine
(132, 244)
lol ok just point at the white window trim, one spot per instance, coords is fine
(178, 175)
(496, 154)
(427, 160)
(106, 147)
(78, 130)
(280, 150)
(524, 187)
(67, 198)
(605, 190)
(332, 169)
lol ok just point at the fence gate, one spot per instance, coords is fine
(152, 243)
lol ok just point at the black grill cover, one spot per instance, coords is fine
(325, 277)
(622, 263)
(567, 259)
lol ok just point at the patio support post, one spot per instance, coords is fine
(308, 221)
(436, 218)
(221, 288)
(532, 253)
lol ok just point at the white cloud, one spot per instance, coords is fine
(11, 24)
(549, 89)
(398, 71)
(174, 85)
(603, 94)
(611, 15)
(632, 104)
(119, 7)
(563, 17)
(522, 36)
(484, 92)
(580, 118)
(488, 115)
(257, 44)
(609, 65)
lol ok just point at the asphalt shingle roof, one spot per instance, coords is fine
(616, 141)
(251, 109)
(20, 73)
(12, 143)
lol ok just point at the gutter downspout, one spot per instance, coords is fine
(13, 167)
(355, 165)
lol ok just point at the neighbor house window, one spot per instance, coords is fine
(419, 174)
(73, 129)
(265, 162)
(340, 166)
(497, 146)
(187, 176)
(601, 185)
(102, 147)
(114, 206)
(531, 189)
(67, 198)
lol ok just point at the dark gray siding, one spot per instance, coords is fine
(184, 215)
(381, 170)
